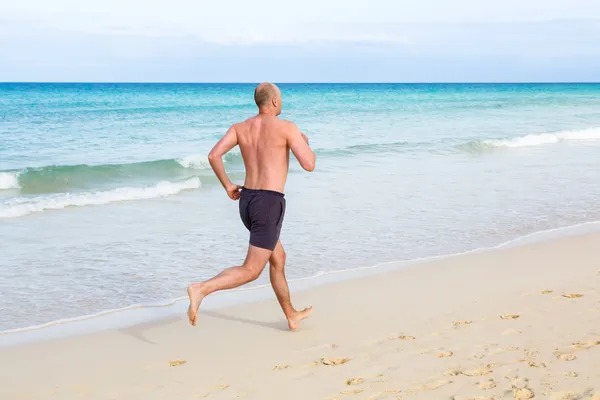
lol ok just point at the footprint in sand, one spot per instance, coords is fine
(523, 394)
(334, 361)
(546, 291)
(444, 354)
(404, 337)
(352, 392)
(585, 345)
(487, 385)
(176, 363)
(534, 364)
(572, 295)
(510, 316)
(354, 381)
(430, 386)
(452, 372)
(572, 374)
(505, 349)
(481, 371)
(575, 395)
(564, 356)
(531, 352)
(461, 323)
(280, 367)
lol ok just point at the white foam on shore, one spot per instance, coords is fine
(22, 206)
(539, 236)
(545, 138)
(9, 180)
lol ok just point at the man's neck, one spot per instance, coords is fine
(267, 113)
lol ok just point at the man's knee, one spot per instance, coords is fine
(255, 262)
(252, 273)
(278, 260)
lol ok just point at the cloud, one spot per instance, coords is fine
(111, 50)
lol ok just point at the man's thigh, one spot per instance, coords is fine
(256, 258)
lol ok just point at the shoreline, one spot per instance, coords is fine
(142, 313)
(519, 321)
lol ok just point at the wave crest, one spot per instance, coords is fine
(9, 180)
(531, 140)
(68, 178)
(22, 206)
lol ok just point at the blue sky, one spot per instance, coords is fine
(325, 40)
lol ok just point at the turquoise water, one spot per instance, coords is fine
(107, 200)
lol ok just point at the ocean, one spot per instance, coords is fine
(107, 200)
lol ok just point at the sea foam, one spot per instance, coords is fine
(22, 206)
(544, 138)
(9, 180)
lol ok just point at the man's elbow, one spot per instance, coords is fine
(309, 166)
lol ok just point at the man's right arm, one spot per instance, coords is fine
(298, 143)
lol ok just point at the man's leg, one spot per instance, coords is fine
(255, 262)
(280, 286)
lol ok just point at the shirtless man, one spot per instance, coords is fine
(265, 142)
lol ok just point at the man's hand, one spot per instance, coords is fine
(233, 191)
(305, 138)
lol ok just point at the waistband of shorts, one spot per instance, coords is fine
(265, 191)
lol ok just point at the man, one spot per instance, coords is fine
(265, 142)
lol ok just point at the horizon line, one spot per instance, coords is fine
(301, 82)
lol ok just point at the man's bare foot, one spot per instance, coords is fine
(195, 294)
(294, 321)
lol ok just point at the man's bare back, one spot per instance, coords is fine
(265, 142)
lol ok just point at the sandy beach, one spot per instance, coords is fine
(514, 323)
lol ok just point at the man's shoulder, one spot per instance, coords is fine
(287, 126)
(286, 122)
(241, 125)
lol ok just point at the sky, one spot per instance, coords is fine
(300, 41)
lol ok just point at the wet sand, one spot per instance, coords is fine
(515, 323)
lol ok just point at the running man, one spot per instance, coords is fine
(265, 142)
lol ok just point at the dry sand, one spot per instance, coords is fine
(517, 323)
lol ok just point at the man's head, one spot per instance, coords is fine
(268, 98)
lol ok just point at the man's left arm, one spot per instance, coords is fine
(215, 158)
